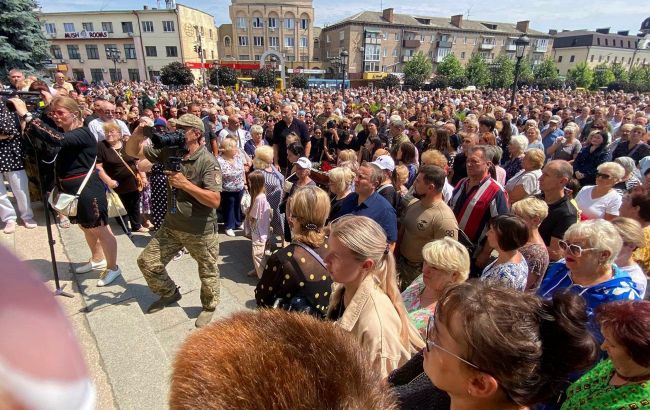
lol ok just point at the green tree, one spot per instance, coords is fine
(639, 75)
(581, 74)
(477, 71)
(526, 75)
(504, 74)
(223, 76)
(418, 70)
(390, 81)
(450, 67)
(546, 69)
(176, 74)
(264, 77)
(299, 81)
(620, 72)
(603, 76)
(22, 43)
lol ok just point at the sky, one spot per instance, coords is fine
(543, 14)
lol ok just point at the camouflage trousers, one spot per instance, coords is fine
(407, 271)
(204, 248)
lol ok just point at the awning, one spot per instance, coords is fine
(372, 30)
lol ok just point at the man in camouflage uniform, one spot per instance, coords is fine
(191, 222)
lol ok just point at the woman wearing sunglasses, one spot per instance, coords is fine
(490, 347)
(588, 268)
(594, 153)
(602, 201)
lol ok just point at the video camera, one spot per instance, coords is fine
(32, 99)
(175, 141)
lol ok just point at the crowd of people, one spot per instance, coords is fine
(480, 255)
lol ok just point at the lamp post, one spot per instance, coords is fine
(274, 67)
(113, 54)
(344, 62)
(199, 49)
(521, 44)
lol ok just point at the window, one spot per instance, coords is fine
(78, 74)
(559, 59)
(73, 52)
(96, 75)
(50, 28)
(274, 41)
(56, 52)
(210, 33)
(258, 22)
(396, 36)
(226, 41)
(372, 52)
(385, 34)
(572, 59)
(327, 38)
(371, 66)
(288, 23)
(289, 41)
(87, 26)
(127, 27)
(116, 74)
(92, 52)
(168, 27)
(598, 41)
(304, 24)
(304, 58)
(606, 41)
(147, 26)
(385, 52)
(303, 42)
(600, 59)
(134, 74)
(394, 52)
(129, 51)
(243, 40)
(109, 47)
(608, 58)
(341, 35)
(151, 51)
(107, 26)
(291, 58)
(615, 59)
(244, 57)
(462, 55)
(257, 56)
(68, 27)
(171, 51)
(273, 22)
(241, 22)
(258, 41)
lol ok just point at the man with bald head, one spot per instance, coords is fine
(105, 114)
(234, 129)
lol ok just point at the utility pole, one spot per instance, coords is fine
(199, 49)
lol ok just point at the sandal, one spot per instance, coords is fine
(64, 222)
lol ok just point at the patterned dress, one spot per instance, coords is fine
(418, 314)
(509, 274)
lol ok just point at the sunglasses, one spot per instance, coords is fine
(575, 250)
(431, 327)
(603, 176)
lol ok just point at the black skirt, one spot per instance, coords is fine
(92, 207)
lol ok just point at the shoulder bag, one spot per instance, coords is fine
(138, 179)
(66, 204)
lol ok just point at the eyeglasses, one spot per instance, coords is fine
(431, 334)
(109, 112)
(603, 176)
(575, 250)
(156, 111)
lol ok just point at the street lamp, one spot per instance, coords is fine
(344, 62)
(520, 44)
(113, 54)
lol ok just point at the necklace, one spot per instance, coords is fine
(633, 379)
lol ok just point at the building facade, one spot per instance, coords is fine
(258, 26)
(600, 47)
(381, 42)
(128, 44)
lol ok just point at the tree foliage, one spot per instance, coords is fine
(477, 71)
(620, 72)
(581, 74)
(299, 81)
(546, 69)
(227, 77)
(450, 67)
(390, 81)
(264, 77)
(603, 76)
(418, 70)
(176, 74)
(504, 74)
(526, 75)
(22, 43)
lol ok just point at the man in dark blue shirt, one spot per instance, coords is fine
(365, 201)
(282, 129)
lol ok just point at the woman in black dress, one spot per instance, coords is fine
(76, 158)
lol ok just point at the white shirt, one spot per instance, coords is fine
(240, 135)
(638, 277)
(597, 208)
(96, 126)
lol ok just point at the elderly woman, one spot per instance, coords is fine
(516, 149)
(340, 186)
(506, 234)
(256, 141)
(622, 381)
(633, 239)
(636, 205)
(233, 180)
(568, 146)
(297, 273)
(593, 154)
(601, 200)
(630, 179)
(534, 138)
(273, 183)
(533, 211)
(525, 183)
(366, 301)
(588, 267)
(635, 147)
(446, 261)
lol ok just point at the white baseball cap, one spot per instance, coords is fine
(385, 162)
(304, 163)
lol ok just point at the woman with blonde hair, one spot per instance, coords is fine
(632, 235)
(295, 277)
(526, 182)
(533, 211)
(340, 185)
(233, 176)
(273, 183)
(366, 300)
(602, 201)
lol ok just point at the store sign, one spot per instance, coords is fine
(197, 66)
(374, 75)
(86, 34)
(304, 71)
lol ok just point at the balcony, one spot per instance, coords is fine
(406, 59)
(441, 54)
(511, 47)
(540, 49)
(486, 46)
(410, 43)
(373, 40)
(444, 44)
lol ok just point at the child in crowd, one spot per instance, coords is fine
(258, 220)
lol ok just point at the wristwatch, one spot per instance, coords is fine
(27, 117)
